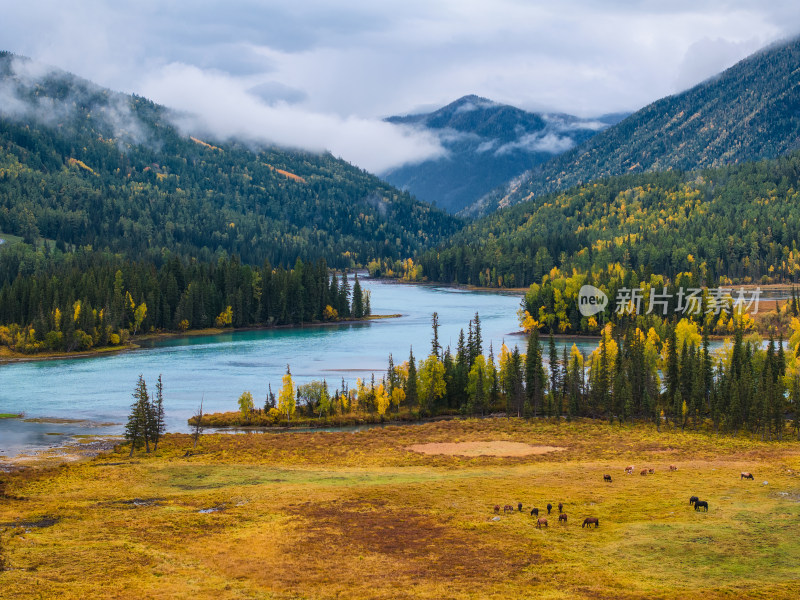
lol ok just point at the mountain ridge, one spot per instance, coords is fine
(747, 112)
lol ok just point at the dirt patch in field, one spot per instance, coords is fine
(496, 448)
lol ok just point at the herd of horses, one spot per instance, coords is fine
(542, 521)
(589, 521)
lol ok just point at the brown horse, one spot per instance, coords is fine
(607, 478)
(673, 468)
(519, 506)
(541, 521)
(560, 507)
(497, 508)
(644, 472)
(629, 470)
(589, 521)
(651, 471)
(747, 476)
(535, 511)
(562, 517)
(508, 508)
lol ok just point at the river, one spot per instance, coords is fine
(218, 368)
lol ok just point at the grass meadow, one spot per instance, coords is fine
(359, 515)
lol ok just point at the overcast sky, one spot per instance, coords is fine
(321, 75)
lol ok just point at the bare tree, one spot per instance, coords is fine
(198, 425)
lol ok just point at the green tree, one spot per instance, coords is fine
(136, 430)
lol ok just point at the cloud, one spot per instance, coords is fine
(536, 142)
(222, 106)
(350, 63)
(19, 100)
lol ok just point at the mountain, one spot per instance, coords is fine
(487, 144)
(738, 223)
(88, 167)
(748, 112)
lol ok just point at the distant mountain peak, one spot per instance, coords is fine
(487, 143)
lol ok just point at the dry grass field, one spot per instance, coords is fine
(361, 515)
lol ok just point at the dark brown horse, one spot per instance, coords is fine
(508, 508)
(589, 521)
(549, 508)
(560, 507)
(497, 508)
(607, 478)
(693, 499)
(747, 476)
(562, 517)
(534, 512)
(541, 521)
(701, 503)
(519, 506)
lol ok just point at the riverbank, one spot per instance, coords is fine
(399, 511)
(144, 340)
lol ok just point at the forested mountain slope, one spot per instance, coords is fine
(86, 166)
(740, 223)
(748, 112)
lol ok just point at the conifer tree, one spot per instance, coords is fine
(157, 424)
(412, 396)
(136, 429)
(358, 300)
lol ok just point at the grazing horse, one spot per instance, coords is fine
(497, 508)
(589, 521)
(747, 476)
(673, 468)
(535, 512)
(508, 508)
(629, 470)
(549, 508)
(519, 506)
(651, 471)
(644, 472)
(562, 517)
(700, 503)
(693, 499)
(561, 507)
(607, 478)
(541, 521)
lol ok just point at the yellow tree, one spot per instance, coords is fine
(382, 399)
(287, 400)
(246, 405)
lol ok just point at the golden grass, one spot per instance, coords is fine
(358, 515)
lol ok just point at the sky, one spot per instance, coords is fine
(322, 75)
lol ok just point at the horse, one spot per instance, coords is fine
(700, 503)
(629, 470)
(549, 508)
(508, 508)
(541, 521)
(562, 517)
(747, 476)
(673, 468)
(693, 499)
(535, 512)
(497, 508)
(519, 506)
(644, 472)
(589, 521)
(651, 471)
(607, 478)
(561, 507)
